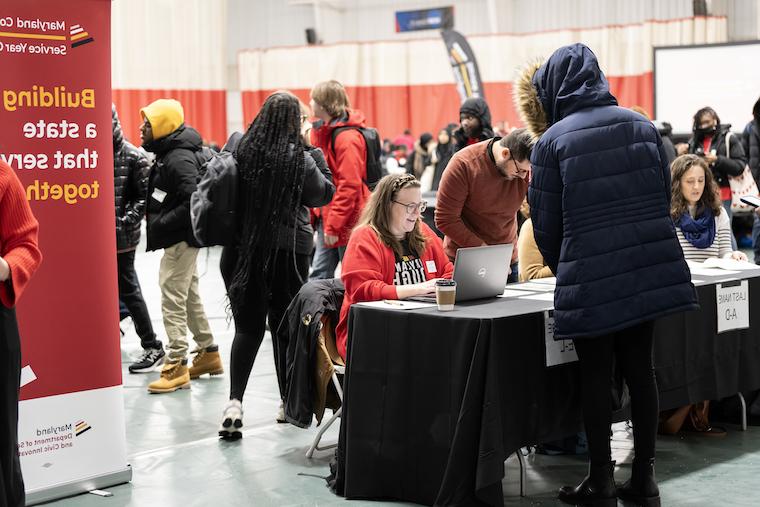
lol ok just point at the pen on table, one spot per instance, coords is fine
(393, 302)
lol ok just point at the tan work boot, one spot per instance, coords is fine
(173, 376)
(206, 361)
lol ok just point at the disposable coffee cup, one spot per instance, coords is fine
(445, 294)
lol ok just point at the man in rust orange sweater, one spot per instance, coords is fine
(19, 259)
(480, 192)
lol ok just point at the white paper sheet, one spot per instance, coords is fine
(545, 281)
(546, 296)
(397, 305)
(27, 375)
(511, 293)
(539, 287)
(711, 272)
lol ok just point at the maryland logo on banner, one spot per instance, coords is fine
(55, 132)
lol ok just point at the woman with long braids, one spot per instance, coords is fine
(263, 271)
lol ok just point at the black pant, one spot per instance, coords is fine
(250, 318)
(131, 295)
(11, 481)
(632, 350)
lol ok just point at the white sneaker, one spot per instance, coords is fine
(281, 413)
(232, 421)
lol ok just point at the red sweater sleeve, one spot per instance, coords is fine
(365, 271)
(348, 175)
(18, 236)
(452, 194)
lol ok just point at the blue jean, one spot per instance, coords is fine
(325, 259)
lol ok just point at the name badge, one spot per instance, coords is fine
(158, 194)
(431, 267)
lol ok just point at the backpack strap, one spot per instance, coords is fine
(337, 131)
(728, 146)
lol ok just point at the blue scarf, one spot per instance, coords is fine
(699, 231)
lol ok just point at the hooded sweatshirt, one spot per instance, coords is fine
(347, 160)
(173, 176)
(600, 201)
(477, 107)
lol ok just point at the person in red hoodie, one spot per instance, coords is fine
(346, 154)
(392, 254)
(19, 259)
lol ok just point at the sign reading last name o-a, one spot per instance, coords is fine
(733, 305)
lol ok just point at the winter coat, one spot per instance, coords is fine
(173, 178)
(318, 190)
(600, 201)
(724, 166)
(478, 108)
(751, 145)
(300, 329)
(130, 188)
(347, 160)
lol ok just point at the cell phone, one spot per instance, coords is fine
(752, 200)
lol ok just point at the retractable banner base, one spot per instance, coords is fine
(72, 443)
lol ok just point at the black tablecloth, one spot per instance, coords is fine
(435, 402)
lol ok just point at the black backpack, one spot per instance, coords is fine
(375, 167)
(213, 205)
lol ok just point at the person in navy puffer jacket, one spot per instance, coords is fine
(600, 201)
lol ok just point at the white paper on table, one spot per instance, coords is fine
(397, 305)
(546, 296)
(728, 264)
(511, 293)
(540, 287)
(733, 305)
(544, 281)
(711, 272)
(522, 286)
(557, 351)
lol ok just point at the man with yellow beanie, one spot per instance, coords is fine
(172, 180)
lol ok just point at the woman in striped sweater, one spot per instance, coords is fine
(702, 225)
(704, 231)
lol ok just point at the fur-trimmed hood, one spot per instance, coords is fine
(570, 80)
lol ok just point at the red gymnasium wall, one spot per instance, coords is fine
(205, 111)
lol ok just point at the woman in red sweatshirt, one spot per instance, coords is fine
(391, 253)
(19, 258)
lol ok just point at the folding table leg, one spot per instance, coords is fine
(744, 411)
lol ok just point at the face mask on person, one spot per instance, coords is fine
(707, 131)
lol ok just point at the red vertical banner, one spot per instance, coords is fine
(55, 132)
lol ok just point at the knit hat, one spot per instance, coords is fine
(164, 115)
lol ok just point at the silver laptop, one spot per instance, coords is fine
(480, 272)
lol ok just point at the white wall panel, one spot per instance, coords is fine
(168, 44)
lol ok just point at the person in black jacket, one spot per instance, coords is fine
(173, 178)
(475, 123)
(444, 150)
(751, 145)
(130, 186)
(278, 180)
(600, 204)
(708, 140)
